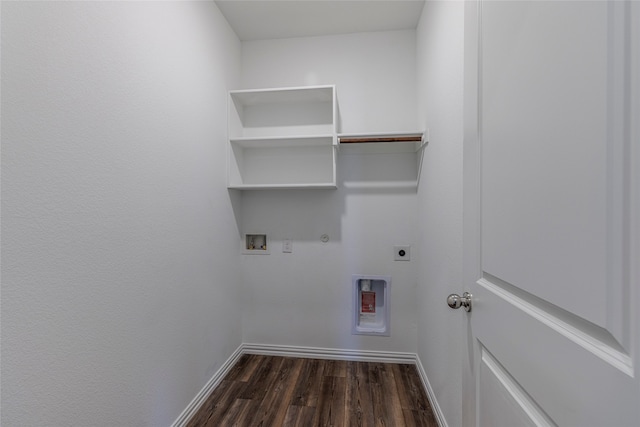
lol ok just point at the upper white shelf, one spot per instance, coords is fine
(287, 95)
(296, 111)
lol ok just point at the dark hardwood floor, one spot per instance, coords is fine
(283, 391)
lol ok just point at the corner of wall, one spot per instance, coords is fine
(439, 64)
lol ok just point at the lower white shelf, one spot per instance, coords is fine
(317, 186)
(257, 166)
(282, 141)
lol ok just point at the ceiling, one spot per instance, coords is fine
(271, 19)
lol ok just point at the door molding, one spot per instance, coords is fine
(471, 190)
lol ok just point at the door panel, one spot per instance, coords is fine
(548, 213)
(544, 151)
(501, 400)
(570, 377)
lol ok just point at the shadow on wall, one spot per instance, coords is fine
(308, 214)
(388, 173)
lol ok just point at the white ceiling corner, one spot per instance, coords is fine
(271, 19)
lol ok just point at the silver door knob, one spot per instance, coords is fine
(456, 301)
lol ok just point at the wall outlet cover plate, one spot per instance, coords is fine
(287, 246)
(402, 253)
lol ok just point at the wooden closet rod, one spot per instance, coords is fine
(356, 140)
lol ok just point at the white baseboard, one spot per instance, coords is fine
(202, 395)
(437, 411)
(329, 353)
(311, 353)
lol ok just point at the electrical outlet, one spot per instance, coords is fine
(402, 253)
(287, 246)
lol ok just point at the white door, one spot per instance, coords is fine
(552, 213)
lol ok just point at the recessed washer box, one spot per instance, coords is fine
(255, 244)
(371, 305)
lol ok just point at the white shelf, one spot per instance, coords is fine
(282, 112)
(318, 186)
(284, 141)
(282, 138)
(287, 95)
(285, 138)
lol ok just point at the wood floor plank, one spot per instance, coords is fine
(359, 408)
(299, 416)
(418, 418)
(377, 396)
(411, 418)
(335, 368)
(247, 413)
(330, 411)
(391, 390)
(273, 407)
(410, 392)
(260, 381)
(386, 405)
(413, 398)
(308, 385)
(217, 404)
(244, 368)
(231, 418)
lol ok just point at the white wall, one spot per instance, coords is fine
(120, 272)
(374, 74)
(440, 59)
(305, 298)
